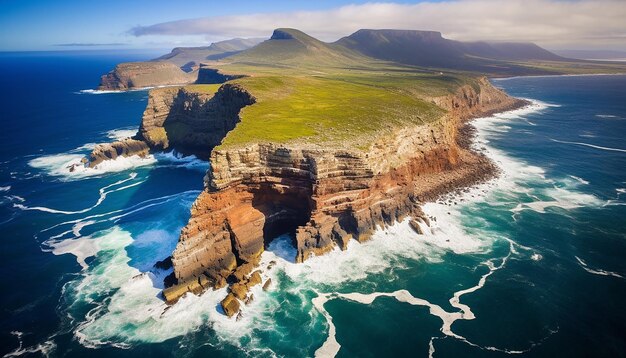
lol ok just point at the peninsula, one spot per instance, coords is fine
(324, 141)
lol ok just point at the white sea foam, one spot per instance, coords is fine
(557, 76)
(82, 248)
(587, 134)
(44, 349)
(103, 194)
(520, 181)
(93, 91)
(16, 198)
(586, 267)
(579, 179)
(138, 89)
(5, 188)
(59, 165)
(590, 145)
(331, 347)
(180, 161)
(135, 302)
(135, 313)
(121, 133)
(517, 181)
(84, 147)
(609, 116)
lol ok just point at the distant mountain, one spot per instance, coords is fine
(291, 46)
(608, 55)
(431, 49)
(188, 58)
(180, 66)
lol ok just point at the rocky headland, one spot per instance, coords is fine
(319, 141)
(323, 195)
(187, 119)
(132, 75)
(181, 66)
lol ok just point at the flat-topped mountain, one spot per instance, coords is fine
(431, 49)
(180, 66)
(189, 57)
(293, 49)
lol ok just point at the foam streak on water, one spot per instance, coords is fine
(514, 185)
(103, 194)
(116, 299)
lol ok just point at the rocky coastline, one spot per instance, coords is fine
(323, 197)
(134, 75)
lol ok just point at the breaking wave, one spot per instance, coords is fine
(59, 165)
(116, 300)
(590, 145)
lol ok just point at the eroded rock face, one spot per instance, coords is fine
(326, 197)
(177, 118)
(130, 75)
(125, 148)
(191, 122)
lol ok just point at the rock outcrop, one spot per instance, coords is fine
(323, 197)
(178, 118)
(208, 75)
(131, 75)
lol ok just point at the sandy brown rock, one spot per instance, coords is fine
(267, 284)
(414, 224)
(239, 290)
(179, 119)
(328, 196)
(130, 75)
(255, 279)
(125, 148)
(230, 305)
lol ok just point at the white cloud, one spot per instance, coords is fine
(588, 23)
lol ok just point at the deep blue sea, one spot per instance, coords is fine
(531, 264)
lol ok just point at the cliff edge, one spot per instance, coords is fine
(322, 197)
(132, 75)
(191, 120)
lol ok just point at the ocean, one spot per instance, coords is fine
(529, 264)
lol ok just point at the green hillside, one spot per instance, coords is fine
(312, 92)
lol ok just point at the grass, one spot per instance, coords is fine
(573, 68)
(204, 89)
(310, 92)
(328, 109)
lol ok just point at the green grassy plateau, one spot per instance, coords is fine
(311, 92)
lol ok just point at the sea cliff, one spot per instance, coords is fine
(322, 196)
(191, 120)
(132, 75)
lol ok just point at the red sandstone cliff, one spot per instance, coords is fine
(325, 197)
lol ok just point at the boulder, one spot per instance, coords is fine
(230, 305)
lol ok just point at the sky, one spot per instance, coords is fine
(159, 24)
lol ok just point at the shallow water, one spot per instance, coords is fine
(530, 263)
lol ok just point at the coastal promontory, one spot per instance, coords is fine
(323, 142)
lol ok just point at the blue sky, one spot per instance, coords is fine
(556, 24)
(40, 24)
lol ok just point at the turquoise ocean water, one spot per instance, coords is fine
(531, 264)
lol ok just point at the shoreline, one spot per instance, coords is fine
(551, 76)
(478, 170)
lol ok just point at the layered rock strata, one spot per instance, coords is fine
(177, 118)
(131, 75)
(323, 197)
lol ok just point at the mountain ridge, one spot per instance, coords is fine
(431, 49)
